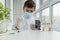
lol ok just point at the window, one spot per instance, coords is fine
(38, 15)
(56, 14)
(3, 1)
(45, 16)
(44, 1)
(37, 4)
(37, 7)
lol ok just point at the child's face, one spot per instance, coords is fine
(30, 10)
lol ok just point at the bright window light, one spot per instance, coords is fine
(3, 1)
(45, 16)
(56, 10)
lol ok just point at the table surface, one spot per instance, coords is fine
(30, 35)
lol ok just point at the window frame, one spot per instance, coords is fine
(46, 4)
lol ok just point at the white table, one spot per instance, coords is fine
(31, 35)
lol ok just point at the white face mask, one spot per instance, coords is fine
(27, 15)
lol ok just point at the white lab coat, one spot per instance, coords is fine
(27, 22)
(24, 24)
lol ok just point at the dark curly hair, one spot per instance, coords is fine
(29, 4)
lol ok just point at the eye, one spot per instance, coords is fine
(31, 11)
(27, 10)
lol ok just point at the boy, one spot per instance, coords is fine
(28, 9)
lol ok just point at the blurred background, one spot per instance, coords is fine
(47, 11)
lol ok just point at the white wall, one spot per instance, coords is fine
(17, 9)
